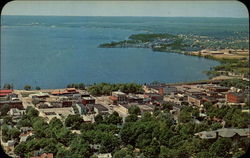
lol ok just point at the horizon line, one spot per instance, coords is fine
(129, 16)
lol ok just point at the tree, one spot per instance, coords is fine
(81, 86)
(207, 105)
(74, 121)
(185, 116)
(114, 118)
(14, 132)
(134, 110)
(216, 126)
(131, 118)
(221, 147)
(31, 112)
(98, 119)
(20, 149)
(167, 106)
(79, 147)
(123, 153)
(27, 87)
(38, 88)
(5, 109)
(109, 143)
(7, 86)
(55, 123)
(64, 136)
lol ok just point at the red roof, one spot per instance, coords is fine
(6, 91)
(113, 98)
(44, 155)
(4, 94)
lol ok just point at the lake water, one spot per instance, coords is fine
(52, 52)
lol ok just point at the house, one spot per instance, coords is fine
(113, 100)
(153, 96)
(44, 155)
(13, 104)
(23, 137)
(71, 90)
(124, 108)
(100, 109)
(5, 92)
(39, 95)
(225, 133)
(167, 90)
(195, 100)
(67, 103)
(80, 108)
(68, 91)
(146, 107)
(134, 99)
(88, 100)
(26, 129)
(218, 89)
(209, 99)
(233, 97)
(14, 112)
(104, 155)
(121, 97)
(207, 135)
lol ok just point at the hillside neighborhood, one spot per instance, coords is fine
(191, 103)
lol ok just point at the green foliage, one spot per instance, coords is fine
(7, 86)
(74, 121)
(216, 126)
(27, 87)
(114, 118)
(76, 85)
(31, 112)
(238, 83)
(125, 152)
(38, 88)
(150, 37)
(14, 132)
(167, 106)
(98, 119)
(106, 89)
(131, 118)
(21, 149)
(4, 109)
(221, 147)
(134, 110)
(55, 123)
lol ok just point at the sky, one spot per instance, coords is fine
(128, 8)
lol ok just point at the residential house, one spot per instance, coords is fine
(167, 90)
(233, 97)
(23, 136)
(104, 155)
(13, 104)
(153, 96)
(134, 99)
(5, 92)
(121, 97)
(100, 109)
(88, 100)
(224, 132)
(81, 109)
(44, 155)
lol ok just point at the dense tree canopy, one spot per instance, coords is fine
(106, 89)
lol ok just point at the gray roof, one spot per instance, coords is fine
(224, 132)
(206, 134)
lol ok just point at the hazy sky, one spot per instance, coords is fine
(128, 8)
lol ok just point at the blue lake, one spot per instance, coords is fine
(52, 52)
